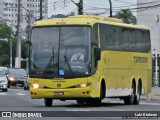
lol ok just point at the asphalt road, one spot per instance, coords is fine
(17, 99)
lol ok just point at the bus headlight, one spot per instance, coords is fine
(36, 86)
(83, 85)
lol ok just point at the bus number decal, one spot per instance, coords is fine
(138, 59)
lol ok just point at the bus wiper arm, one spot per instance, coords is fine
(51, 60)
(66, 60)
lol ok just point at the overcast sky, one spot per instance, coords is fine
(99, 7)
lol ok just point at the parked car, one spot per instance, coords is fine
(3, 68)
(16, 77)
(3, 80)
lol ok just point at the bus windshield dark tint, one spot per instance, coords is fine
(60, 52)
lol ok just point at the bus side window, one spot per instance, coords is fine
(94, 45)
(93, 61)
(96, 55)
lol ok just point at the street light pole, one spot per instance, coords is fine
(80, 6)
(110, 8)
(41, 16)
(156, 48)
(10, 53)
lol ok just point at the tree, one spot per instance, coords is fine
(6, 34)
(6, 31)
(126, 16)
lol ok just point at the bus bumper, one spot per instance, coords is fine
(38, 93)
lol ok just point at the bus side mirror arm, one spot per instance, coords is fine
(97, 52)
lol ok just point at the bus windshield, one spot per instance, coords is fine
(60, 52)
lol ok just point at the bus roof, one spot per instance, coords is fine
(86, 20)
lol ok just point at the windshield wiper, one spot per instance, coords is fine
(50, 68)
(66, 60)
(51, 60)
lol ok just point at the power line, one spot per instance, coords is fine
(122, 1)
(71, 12)
(60, 5)
(132, 7)
(115, 9)
(26, 10)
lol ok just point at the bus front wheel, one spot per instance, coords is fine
(97, 101)
(80, 101)
(48, 102)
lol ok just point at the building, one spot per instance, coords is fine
(29, 11)
(1, 9)
(148, 13)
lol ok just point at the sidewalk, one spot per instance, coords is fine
(154, 95)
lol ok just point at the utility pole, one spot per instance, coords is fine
(80, 6)
(64, 3)
(18, 50)
(41, 16)
(54, 6)
(110, 8)
(10, 53)
(28, 17)
(158, 60)
(157, 48)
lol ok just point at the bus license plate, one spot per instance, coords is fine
(58, 93)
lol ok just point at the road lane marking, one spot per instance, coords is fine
(141, 103)
(149, 103)
(20, 94)
(77, 110)
(17, 90)
(3, 94)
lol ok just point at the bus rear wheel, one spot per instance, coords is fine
(137, 96)
(48, 102)
(130, 99)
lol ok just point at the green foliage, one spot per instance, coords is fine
(126, 16)
(6, 35)
(5, 31)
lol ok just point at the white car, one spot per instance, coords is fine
(3, 81)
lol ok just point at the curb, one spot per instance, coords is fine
(153, 98)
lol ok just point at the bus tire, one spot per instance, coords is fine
(130, 99)
(80, 101)
(25, 88)
(48, 102)
(137, 96)
(97, 101)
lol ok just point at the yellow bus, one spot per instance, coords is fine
(88, 58)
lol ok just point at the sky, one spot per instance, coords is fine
(100, 7)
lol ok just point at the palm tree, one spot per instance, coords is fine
(126, 16)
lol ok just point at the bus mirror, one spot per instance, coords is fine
(97, 52)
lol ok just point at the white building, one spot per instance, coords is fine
(147, 13)
(29, 8)
(1, 9)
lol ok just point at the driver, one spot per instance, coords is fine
(77, 56)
